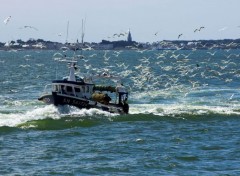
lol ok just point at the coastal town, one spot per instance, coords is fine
(127, 44)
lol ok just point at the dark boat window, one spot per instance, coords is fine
(77, 89)
(69, 89)
(87, 89)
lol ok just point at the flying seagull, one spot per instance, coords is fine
(196, 30)
(7, 20)
(31, 27)
(202, 27)
(179, 35)
(222, 29)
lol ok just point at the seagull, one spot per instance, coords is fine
(116, 53)
(202, 27)
(58, 55)
(212, 54)
(121, 34)
(93, 55)
(31, 27)
(7, 20)
(179, 35)
(222, 29)
(196, 30)
(156, 33)
(231, 96)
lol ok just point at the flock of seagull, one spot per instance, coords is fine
(167, 69)
(149, 71)
(156, 33)
(180, 35)
(154, 70)
(6, 21)
(195, 30)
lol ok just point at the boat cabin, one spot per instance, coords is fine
(76, 89)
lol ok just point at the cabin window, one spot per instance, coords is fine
(55, 88)
(62, 88)
(77, 89)
(87, 89)
(69, 89)
(90, 89)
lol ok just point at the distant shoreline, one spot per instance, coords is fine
(123, 45)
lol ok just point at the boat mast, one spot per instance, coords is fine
(83, 30)
(67, 33)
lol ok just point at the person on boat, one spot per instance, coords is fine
(121, 91)
(123, 97)
(125, 105)
(63, 88)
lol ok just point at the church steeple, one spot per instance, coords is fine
(129, 38)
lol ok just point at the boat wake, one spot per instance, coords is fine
(182, 111)
(51, 117)
(50, 112)
(13, 119)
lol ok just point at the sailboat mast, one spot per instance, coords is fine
(83, 30)
(67, 32)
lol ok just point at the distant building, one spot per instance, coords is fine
(102, 46)
(129, 38)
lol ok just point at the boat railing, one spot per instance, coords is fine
(47, 89)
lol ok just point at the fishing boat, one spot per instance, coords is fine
(81, 92)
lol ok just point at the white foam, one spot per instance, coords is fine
(49, 111)
(14, 119)
(178, 109)
(73, 111)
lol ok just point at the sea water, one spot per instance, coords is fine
(184, 115)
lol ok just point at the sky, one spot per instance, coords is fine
(148, 20)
